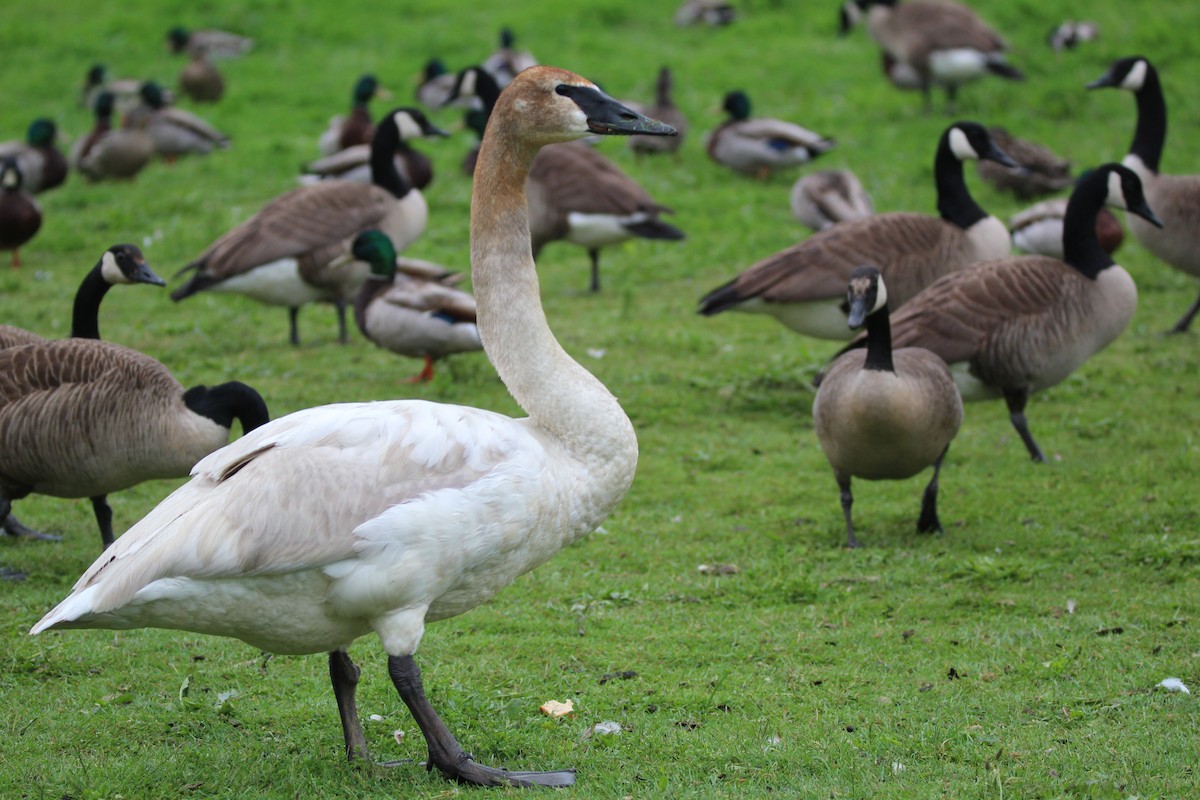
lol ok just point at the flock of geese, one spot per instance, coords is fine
(438, 506)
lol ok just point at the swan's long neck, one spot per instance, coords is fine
(560, 396)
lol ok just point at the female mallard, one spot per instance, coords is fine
(20, 214)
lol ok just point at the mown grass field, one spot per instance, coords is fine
(1016, 655)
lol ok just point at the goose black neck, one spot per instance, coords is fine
(85, 319)
(487, 89)
(227, 402)
(879, 342)
(954, 202)
(1081, 245)
(383, 164)
(1151, 132)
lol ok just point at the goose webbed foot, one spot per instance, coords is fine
(445, 753)
(14, 527)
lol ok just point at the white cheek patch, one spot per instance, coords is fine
(880, 295)
(1136, 77)
(960, 145)
(1116, 193)
(408, 127)
(109, 270)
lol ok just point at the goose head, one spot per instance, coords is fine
(474, 82)
(737, 104)
(375, 248)
(970, 140)
(865, 295)
(1124, 73)
(411, 123)
(1124, 190)
(125, 264)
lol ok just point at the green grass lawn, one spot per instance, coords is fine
(1015, 655)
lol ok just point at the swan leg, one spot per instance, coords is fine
(444, 751)
(928, 522)
(1016, 412)
(1185, 321)
(103, 512)
(594, 254)
(344, 674)
(293, 329)
(847, 502)
(13, 527)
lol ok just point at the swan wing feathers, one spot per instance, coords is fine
(326, 486)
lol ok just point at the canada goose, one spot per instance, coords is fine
(42, 164)
(357, 126)
(705, 12)
(579, 196)
(418, 317)
(1039, 170)
(944, 43)
(438, 506)
(20, 214)
(175, 132)
(201, 80)
(804, 286)
(108, 152)
(218, 44)
(1039, 229)
(1014, 326)
(354, 164)
(823, 199)
(474, 84)
(1070, 34)
(507, 61)
(289, 253)
(759, 145)
(1175, 198)
(663, 109)
(884, 414)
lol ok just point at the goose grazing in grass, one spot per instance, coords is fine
(217, 44)
(414, 314)
(884, 414)
(932, 43)
(822, 199)
(20, 214)
(356, 127)
(201, 80)
(1012, 327)
(760, 145)
(338, 521)
(291, 252)
(175, 132)
(665, 110)
(1175, 198)
(112, 153)
(804, 286)
(1039, 170)
(42, 164)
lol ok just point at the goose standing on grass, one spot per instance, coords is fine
(112, 153)
(804, 286)
(201, 80)
(1012, 327)
(175, 132)
(295, 250)
(664, 110)
(339, 521)
(218, 44)
(356, 127)
(885, 414)
(42, 164)
(822, 199)
(354, 164)
(759, 145)
(410, 313)
(931, 43)
(1175, 198)
(20, 214)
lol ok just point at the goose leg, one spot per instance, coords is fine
(293, 329)
(1185, 321)
(1016, 412)
(594, 254)
(13, 527)
(103, 512)
(344, 674)
(847, 501)
(445, 753)
(928, 522)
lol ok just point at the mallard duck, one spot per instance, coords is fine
(125, 91)
(1039, 170)
(939, 42)
(338, 521)
(201, 80)
(823, 199)
(760, 145)
(1070, 34)
(112, 153)
(175, 132)
(218, 44)
(1039, 229)
(20, 214)
(401, 307)
(884, 414)
(507, 61)
(663, 109)
(356, 127)
(42, 164)
(705, 12)
(436, 84)
(292, 251)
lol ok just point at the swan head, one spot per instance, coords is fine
(124, 264)
(865, 295)
(544, 105)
